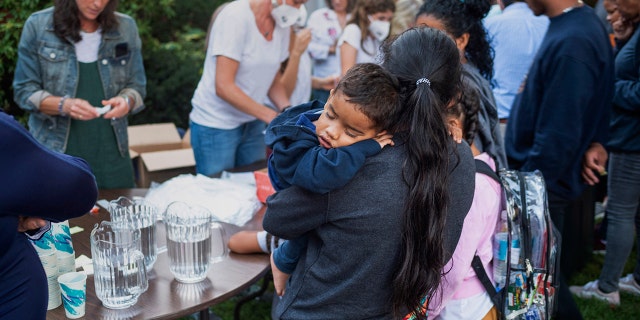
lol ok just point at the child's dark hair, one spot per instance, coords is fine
(460, 17)
(362, 10)
(427, 64)
(467, 108)
(375, 92)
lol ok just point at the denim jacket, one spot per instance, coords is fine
(47, 65)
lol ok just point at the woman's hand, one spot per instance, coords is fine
(79, 109)
(30, 223)
(120, 107)
(302, 39)
(593, 164)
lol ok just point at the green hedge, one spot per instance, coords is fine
(173, 36)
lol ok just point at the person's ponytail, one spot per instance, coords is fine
(426, 63)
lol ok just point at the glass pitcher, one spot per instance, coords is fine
(189, 241)
(138, 214)
(119, 272)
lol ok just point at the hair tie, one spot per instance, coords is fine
(423, 80)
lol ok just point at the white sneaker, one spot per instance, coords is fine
(629, 284)
(591, 290)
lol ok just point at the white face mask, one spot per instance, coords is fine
(301, 22)
(379, 29)
(284, 14)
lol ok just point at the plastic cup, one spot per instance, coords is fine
(53, 288)
(66, 262)
(49, 258)
(73, 288)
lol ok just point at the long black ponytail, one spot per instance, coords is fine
(427, 65)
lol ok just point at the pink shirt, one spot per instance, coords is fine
(461, 281)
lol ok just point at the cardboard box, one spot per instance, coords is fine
(160, 166)
(161, 154)
(154, 137)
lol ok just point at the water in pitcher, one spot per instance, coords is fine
(120, 275)
(190, 258)
(117, 286)
(148, 243)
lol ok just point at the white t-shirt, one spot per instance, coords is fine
(325, 30)
(87, 48)
(352, 36)
(235, 35)
(302, 92)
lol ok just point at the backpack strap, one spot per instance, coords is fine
(483, 168)
(496, 297)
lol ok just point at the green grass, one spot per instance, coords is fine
(260, 308)
(594, 309)
(256, 309)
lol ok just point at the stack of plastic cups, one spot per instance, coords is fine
(58, 257)
(62, 240)
(49, 258)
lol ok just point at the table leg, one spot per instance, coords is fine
(265, 284)
(204, 314)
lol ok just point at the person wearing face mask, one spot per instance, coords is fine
(327, 25)
(248, 42)
(369, 25)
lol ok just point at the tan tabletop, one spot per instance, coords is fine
(166, 298)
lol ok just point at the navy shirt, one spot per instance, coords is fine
(35, 182)
(625, 116)
(565, 104)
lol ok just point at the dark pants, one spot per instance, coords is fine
(561, 211)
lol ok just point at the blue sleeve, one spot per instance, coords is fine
(306, 164)
(39, 182)
(286, 256)
(627, 95)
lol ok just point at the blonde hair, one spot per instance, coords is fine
(405, 15)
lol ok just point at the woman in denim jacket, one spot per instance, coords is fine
(79, 74)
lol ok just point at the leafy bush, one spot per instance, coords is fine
(173, 37)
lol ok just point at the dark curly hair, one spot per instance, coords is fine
(460, 17)
(467, 109)
(374, 91)
(66, 23)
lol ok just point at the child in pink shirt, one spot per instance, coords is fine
(463, 296)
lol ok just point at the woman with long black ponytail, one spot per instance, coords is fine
(426, 63)
(378, 244)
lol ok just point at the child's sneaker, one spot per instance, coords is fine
(591, 290)
(629, 284)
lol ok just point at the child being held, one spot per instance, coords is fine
(321, 148)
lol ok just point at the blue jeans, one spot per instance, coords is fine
(623, 218)
(216, 150)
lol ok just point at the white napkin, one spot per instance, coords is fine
(228, 201)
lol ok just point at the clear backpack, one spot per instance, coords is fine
(526, 249)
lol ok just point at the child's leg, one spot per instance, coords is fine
(284, 260)
(253, 242)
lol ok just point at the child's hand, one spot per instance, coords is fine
(456, 133)
(383, 138)
(279, 278)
